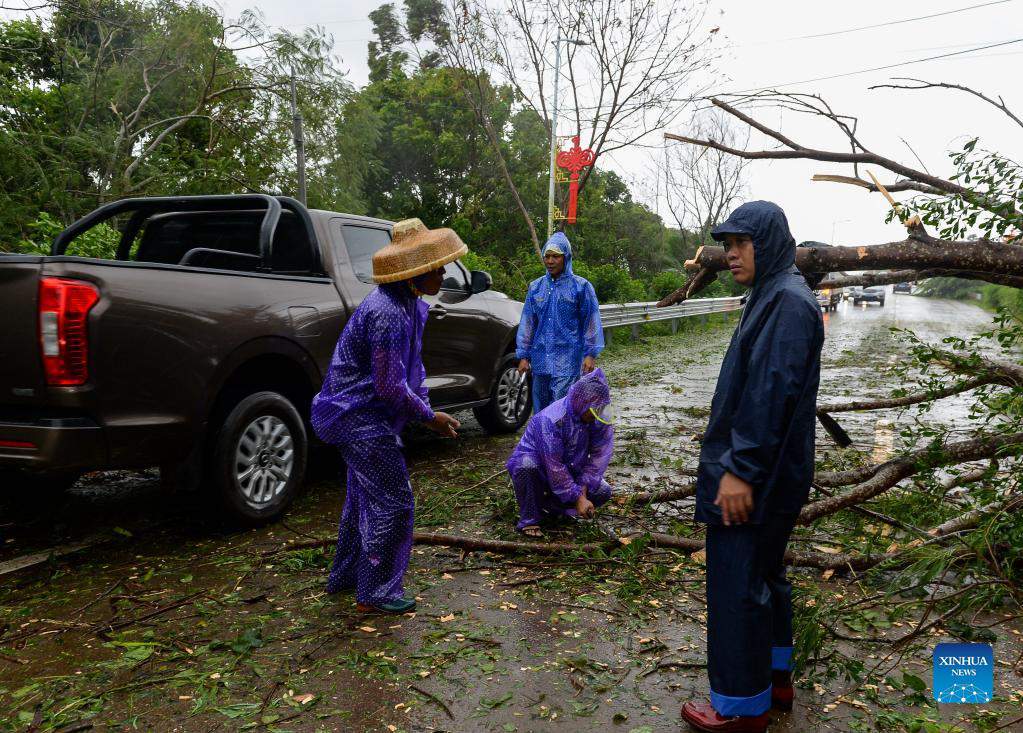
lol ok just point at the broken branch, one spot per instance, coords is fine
(915, 398)
(888, 474)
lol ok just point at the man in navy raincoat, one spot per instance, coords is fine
(756, 464)
(560, 336)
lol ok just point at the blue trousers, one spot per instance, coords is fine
(548, 388)
(749, 613)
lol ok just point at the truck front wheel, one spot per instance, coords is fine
(259, 462)
(510, 400)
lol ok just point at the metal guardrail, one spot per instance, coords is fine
(613, 315)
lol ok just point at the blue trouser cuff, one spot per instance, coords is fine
(781, 658)
(746, 706)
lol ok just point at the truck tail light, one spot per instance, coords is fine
(19, 444)
(63, 329)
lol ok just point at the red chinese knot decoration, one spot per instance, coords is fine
(574, 160)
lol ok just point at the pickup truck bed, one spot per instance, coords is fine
(200, 347)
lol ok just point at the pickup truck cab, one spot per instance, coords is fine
(199, 344)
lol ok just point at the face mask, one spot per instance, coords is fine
(605, 415)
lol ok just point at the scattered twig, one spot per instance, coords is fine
(152, 614)
(433, 698)
(672, 664)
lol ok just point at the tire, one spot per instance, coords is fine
(855, 302)
(501, 414)
(881, 302)
(259, 462)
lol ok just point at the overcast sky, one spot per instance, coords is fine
(763, 49)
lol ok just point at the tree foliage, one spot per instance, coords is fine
(105, 98)
(101, 99)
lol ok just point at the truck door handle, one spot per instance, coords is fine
(438, 310)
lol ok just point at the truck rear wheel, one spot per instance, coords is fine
(259, 462)
(510, 403)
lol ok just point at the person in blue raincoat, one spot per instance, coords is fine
(560, 336)
(558, 467)
(756, 464)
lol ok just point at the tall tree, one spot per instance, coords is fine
(101, 99)
(703, 184)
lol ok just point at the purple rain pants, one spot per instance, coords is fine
(374, 539)
(535, 497)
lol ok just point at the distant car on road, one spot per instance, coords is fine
(829, 298)
(903, 288)
(874, 294)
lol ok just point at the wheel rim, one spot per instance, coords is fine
(264, 460)
(511, 395)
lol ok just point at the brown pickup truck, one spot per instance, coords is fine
(199, 348)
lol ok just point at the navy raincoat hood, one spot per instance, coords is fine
(764, 223)
(762, 420)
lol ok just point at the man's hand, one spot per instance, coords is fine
(584, 507)
(523, 366)
(589, 364)
(735, 499)
(444, 424)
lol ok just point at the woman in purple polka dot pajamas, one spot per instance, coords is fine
(373, 388)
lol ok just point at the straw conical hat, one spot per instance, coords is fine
(415, 250)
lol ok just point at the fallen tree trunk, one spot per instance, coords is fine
(920, 252)
(819, 560)
(868, 279)
(888, 474)
(641, 498)
(915, 398)
(979, 260)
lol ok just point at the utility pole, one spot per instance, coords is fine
(299, 137)
(554, 127)
(554, 136)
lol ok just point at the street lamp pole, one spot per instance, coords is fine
(554, 127)
(833, 223)
(299, 138)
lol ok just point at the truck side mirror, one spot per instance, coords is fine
(480, 282)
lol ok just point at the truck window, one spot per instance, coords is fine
(230, 240)
(454, 278)
(362, 243)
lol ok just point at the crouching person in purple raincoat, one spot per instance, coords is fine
(558, 467)
(374, 386)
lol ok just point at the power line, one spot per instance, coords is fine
(344, 21)
(896, 22)
(875, 68)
